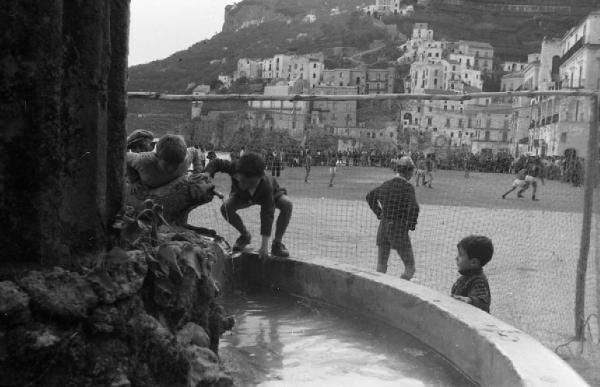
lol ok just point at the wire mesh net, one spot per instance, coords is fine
(537, 244)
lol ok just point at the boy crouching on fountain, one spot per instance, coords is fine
(472, 287)
(249, 186)
(395, 205)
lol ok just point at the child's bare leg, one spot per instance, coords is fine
(534, 189)
(283, 219)
(383, 254)
(229, 211)
(509, 191)
(520, 192)
(332, 177)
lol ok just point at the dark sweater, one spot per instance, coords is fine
(267, 192)
(395, 200)
(473, 284)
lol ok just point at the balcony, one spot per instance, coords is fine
(576, 47)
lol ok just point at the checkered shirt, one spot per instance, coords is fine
(474, 284)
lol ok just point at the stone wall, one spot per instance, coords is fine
(136, 318)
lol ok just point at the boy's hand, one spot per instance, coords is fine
(263, 253)
(463, 299)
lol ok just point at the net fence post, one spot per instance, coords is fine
(584, 248)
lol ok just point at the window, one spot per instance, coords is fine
(430, 109)
(487, 135)
(460, 123)
(429, 120)
(505, 136)
(447, 122)
(419, 109)
(505, 124)
(451, 134)
(488, 123)
(470, 123)
(563, 137)
(445, 107)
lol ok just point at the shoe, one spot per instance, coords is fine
(241, 242)
(535, 199)
(503, 197)
(278, 250)
(330, 185)
(520, 196)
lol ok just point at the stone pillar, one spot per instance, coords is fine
(62, 137)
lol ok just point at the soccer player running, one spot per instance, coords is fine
(519, 183)
(534, 170)
(395, 205)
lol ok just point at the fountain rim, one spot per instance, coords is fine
(485, 349)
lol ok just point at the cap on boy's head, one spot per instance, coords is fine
(479, 247)
(139, 135)
(211, 155)
(251, 165)
(171, 148)
(405, 163)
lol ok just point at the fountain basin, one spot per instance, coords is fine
(488, 351)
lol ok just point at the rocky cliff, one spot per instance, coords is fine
(239, 16)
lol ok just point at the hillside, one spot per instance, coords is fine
(262, 28)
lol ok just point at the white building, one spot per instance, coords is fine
(248, 68)
(291, 68)
(226, 80)
(579, 62)
(310, 18)
(482, 52)
(512, 66)
(289, 117)
(556, 124)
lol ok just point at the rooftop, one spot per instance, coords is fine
(474, 43)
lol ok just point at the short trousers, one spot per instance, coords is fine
(332, 169)
(393, 234)
(519, 183)
(530, 179)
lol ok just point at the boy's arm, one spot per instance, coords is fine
(373, 201)
(479, 294)
(132, 173)
(218, 165)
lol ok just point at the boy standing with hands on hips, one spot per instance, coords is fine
(395, 205)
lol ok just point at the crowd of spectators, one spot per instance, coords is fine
(568, 168)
